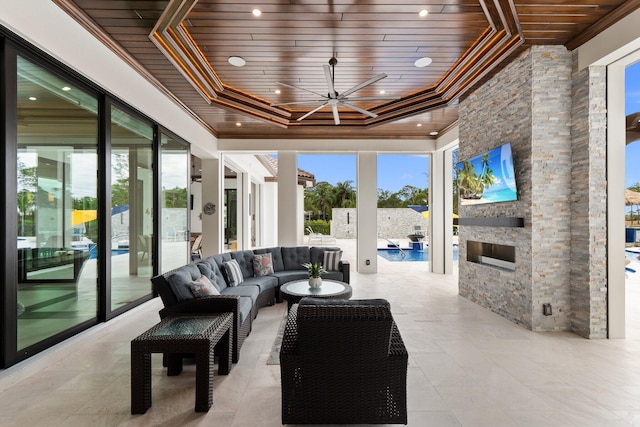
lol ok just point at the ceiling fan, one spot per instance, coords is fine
(335, 99)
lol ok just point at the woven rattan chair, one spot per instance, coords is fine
(343, 362)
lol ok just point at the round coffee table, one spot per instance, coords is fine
(294, 291)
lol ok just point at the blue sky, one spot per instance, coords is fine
(394, 170)
(632, 105)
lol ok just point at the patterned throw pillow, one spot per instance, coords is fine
(332, 260)
(234, 274)
(200, 289)
(204, 279)
(262, 264)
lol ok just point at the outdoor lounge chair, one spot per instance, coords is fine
(319, 238)
(343, 362)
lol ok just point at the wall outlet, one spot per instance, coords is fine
(546, 309)
(368, 262)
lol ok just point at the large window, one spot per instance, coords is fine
(131, 208)
(57, 135)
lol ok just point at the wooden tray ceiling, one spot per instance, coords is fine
(183, 47)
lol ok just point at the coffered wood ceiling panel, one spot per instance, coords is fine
(183, 47)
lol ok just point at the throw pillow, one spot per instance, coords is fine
(204, 279)
(262, 264)
(200, 289)
(332, 260)
(234, 274)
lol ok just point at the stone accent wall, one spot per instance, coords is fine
(392, 223)
(527, 104)
(588, 212)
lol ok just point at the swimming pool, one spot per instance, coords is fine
(409, 255)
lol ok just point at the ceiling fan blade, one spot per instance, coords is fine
(372, 98)
(299, 88)
(312, 111)
(362, 85)
(308, 101)
(327, 76)
(336, 116)
(359, 110)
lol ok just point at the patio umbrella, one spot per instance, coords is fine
(425, 214)
(81, 216)
(631, 198)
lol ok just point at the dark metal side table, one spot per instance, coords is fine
(176, 336)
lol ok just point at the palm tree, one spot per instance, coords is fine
(469, 182)
(321, 197)
(344, 193)
(486, 177)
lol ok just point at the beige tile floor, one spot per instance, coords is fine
(468, 367)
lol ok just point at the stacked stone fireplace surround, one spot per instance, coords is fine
(555, 119)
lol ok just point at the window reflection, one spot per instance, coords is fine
(57, 204)
(131, 208)
(175, 203)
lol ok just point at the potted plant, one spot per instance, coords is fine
(315, 272)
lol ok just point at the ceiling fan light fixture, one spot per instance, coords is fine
(237, 61)
(423, 62)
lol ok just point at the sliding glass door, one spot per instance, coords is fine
(57, 140)
(174, 182)
(131, 208)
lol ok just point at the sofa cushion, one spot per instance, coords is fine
(250, 291)
(276, 256)
(262, 264)
(245, 261)
(211, 271)
(331, 260)
(233, 273)
(219, 259)
(263, 282)
(294, 256)
(290, 275)
(180, 279)
(245, 306)
(334, 275)
(317, 253)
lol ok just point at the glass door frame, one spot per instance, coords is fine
(9, 51)
(157, 200)
(104, 200)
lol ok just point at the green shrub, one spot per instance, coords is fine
(318, 226)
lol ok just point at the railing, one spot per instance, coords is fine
(403, 253)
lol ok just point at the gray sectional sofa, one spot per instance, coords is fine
(256, 288)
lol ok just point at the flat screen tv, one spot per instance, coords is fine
(487, 178)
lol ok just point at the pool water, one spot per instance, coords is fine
(410, 254)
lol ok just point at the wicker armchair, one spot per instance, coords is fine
(343, 362)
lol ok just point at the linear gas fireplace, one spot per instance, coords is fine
(491, 254)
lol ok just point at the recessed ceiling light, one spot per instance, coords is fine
(434, 133)
(423, 13)
(66, 88)
(419, 125)
(423, 62)
(237, 61)
(382, 92)
(278, 92)
(256, 12)
(32, 98)
(238, 124)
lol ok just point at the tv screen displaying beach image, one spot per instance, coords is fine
(487, 178)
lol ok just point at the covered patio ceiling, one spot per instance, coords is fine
(184, 46)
